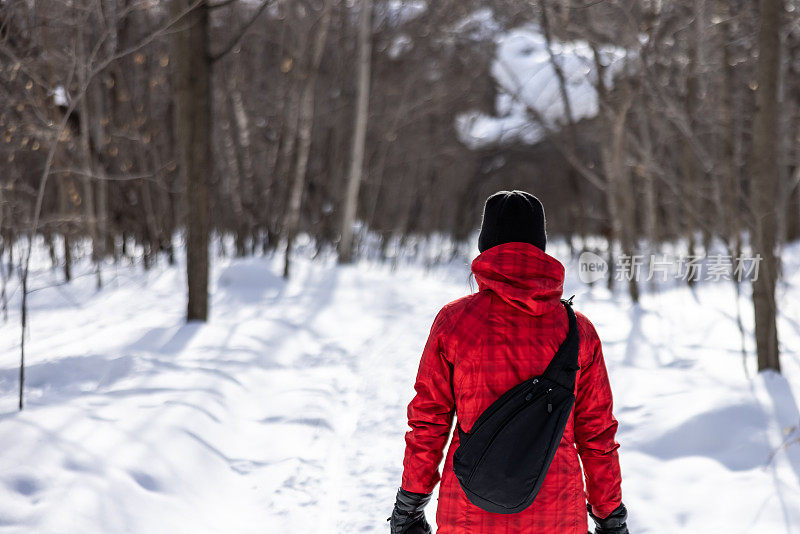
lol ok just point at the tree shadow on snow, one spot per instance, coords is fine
(788, 417)
(70, 376)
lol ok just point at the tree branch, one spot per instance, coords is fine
(224, 3)
(235, 41)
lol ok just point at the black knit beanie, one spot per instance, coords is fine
(512, 216)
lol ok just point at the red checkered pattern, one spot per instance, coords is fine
(486, 343)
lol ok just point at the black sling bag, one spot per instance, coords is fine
(502, 462)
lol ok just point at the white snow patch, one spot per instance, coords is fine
(478, 25)
(527, 79)
(400, 45)
(60, 96)
(398, 12)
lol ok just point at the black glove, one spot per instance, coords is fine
(615, 523)
(407, 516)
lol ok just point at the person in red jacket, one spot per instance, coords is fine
(484, 344)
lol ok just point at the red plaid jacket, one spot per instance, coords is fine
(479, 347)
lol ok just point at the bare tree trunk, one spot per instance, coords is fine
(63, 203)
(729, 186)
(4, 274)
(577, 207)
(277, 216)
(359, 132)
(305, 123)
(792, 209)
(99, 110)
(620, 195)
(619, 191)
(24, 326)
(233, 185)
(97, 132)
(192, 72)
(247, 175)
(153, 233)
(645, 172)
(86, 150)
(692, 172)
(764, 187)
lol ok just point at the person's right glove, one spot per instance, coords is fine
(408, 516)
(614, 523)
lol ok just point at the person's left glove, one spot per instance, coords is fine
(408, 516)
(615, 523)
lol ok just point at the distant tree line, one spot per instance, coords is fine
(127, 122)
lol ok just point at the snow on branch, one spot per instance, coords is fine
(526, 79)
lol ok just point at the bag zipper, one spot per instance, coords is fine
(489, 413)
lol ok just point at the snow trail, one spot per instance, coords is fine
(286, 412)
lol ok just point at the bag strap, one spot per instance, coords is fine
(564, 365)
(562, 368)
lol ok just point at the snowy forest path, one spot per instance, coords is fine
(286, 411)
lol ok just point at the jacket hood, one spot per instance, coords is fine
(522, 275)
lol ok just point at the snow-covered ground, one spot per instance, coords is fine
(286, 412)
